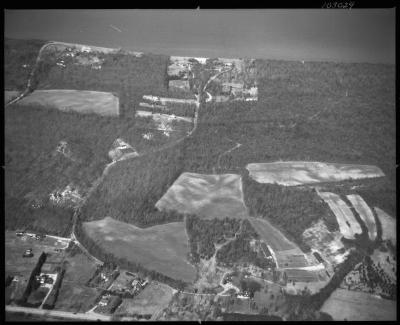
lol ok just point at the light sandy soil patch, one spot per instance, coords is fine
(10, 94)
(388, 225)
(152, 299)
(358, 306)
(348, 224)
(82, 101)
(272, 235)
(162, 248)
(326, 243)
(216, 196)
(292, 173)
(365, 213)
(163, 117)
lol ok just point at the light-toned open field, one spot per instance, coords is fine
(271, 235)
(216, 196)
(158, 117)
(348, 224)
(388, 225)
(82, 101)
(10, 94)
(359, 306)
(365, 213)
(162, 248)
(292, 173)
(153, 298)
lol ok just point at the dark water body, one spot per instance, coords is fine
(249, 317)
(311, 35)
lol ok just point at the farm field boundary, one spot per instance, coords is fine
(216, 196)
(82, 101)
(365, 213)
(348, 224)
(293, 173)
(358, 306)
(162, 248)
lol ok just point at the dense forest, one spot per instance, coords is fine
(290, 209)
(205, 234)
(19, 58)
(239, 251)
(34, 168)
(303, 113)
(132, 188)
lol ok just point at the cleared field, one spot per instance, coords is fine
(10, 94)
(15, 246)
(348, 224)
(388, 225)
(162, 248)
(271, 235)
(365, 213)
(292, 173)
(301, 275)
(152, 299)
(76, 298)
(291, 258)
(79, 268)
(358, 306)
(82, 101)
(216, 196)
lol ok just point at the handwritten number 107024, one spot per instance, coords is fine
(338, 5)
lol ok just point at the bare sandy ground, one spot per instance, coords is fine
(348, 224)
(365, 213)
(359, 306)
(216, 196)
(326, 243)
(293, 173)
(388, 225)
(82, 101)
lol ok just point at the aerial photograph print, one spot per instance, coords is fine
(200, 164)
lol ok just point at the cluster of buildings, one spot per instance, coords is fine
(120, 148)
(44, 279)
(79, 55)
(69, 194)
(238, 83)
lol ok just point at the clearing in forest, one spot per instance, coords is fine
(272, 235)
(358, 306)
(293, 173)
(388, 225)
(216, 196)
(348, 224)
(162, 248)
(82, 101)
(365, 213)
